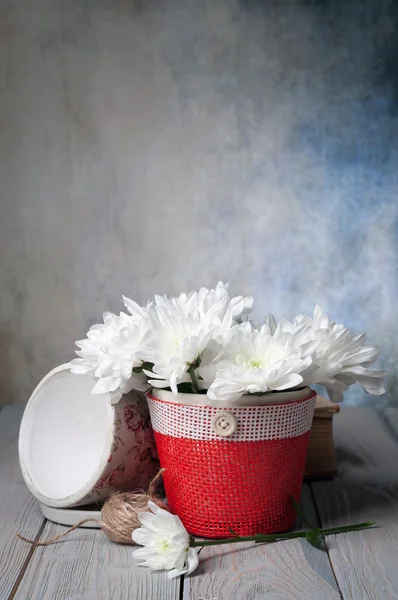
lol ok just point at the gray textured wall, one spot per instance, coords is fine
(157, 146)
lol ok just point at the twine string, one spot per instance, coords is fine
(119, 512)
(58, 537)
(153, 484)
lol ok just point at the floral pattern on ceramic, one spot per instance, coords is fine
(133, 460)
(133, 417)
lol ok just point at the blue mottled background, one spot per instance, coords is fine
(158, 146)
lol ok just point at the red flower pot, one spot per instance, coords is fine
(233, 467)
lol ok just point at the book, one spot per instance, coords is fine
(321, 460)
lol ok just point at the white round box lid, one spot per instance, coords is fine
(72, 516)
(65, 436)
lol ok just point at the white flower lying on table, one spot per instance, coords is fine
(168, 546)
(166, 543)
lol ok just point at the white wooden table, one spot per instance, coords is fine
(86, 566)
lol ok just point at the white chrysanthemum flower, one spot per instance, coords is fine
(258, 362)
(182, 329)
(175, 347)
(215, 306)
(206, 301)
(110, 353)
(270, 322)
(341, 357)
(239, 306)
(319, 320)
(166, 543)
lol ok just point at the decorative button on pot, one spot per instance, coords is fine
(224, 424)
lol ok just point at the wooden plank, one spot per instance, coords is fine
(364, 563)
(87, 566)
(318, 560)
(391, 415)
(84, 566)
(292, 570)
(18, 510)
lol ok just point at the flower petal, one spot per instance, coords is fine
(190, 566)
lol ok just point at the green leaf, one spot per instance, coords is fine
(300, 513)
(145, 365)
(314, 538)
(185, 387)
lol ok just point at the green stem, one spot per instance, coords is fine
(195, 387)
(274, 537)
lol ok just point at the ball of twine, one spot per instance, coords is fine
(119, 515)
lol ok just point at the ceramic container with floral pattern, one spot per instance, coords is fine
(76, 448)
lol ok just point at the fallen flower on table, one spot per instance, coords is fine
(168, 546)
